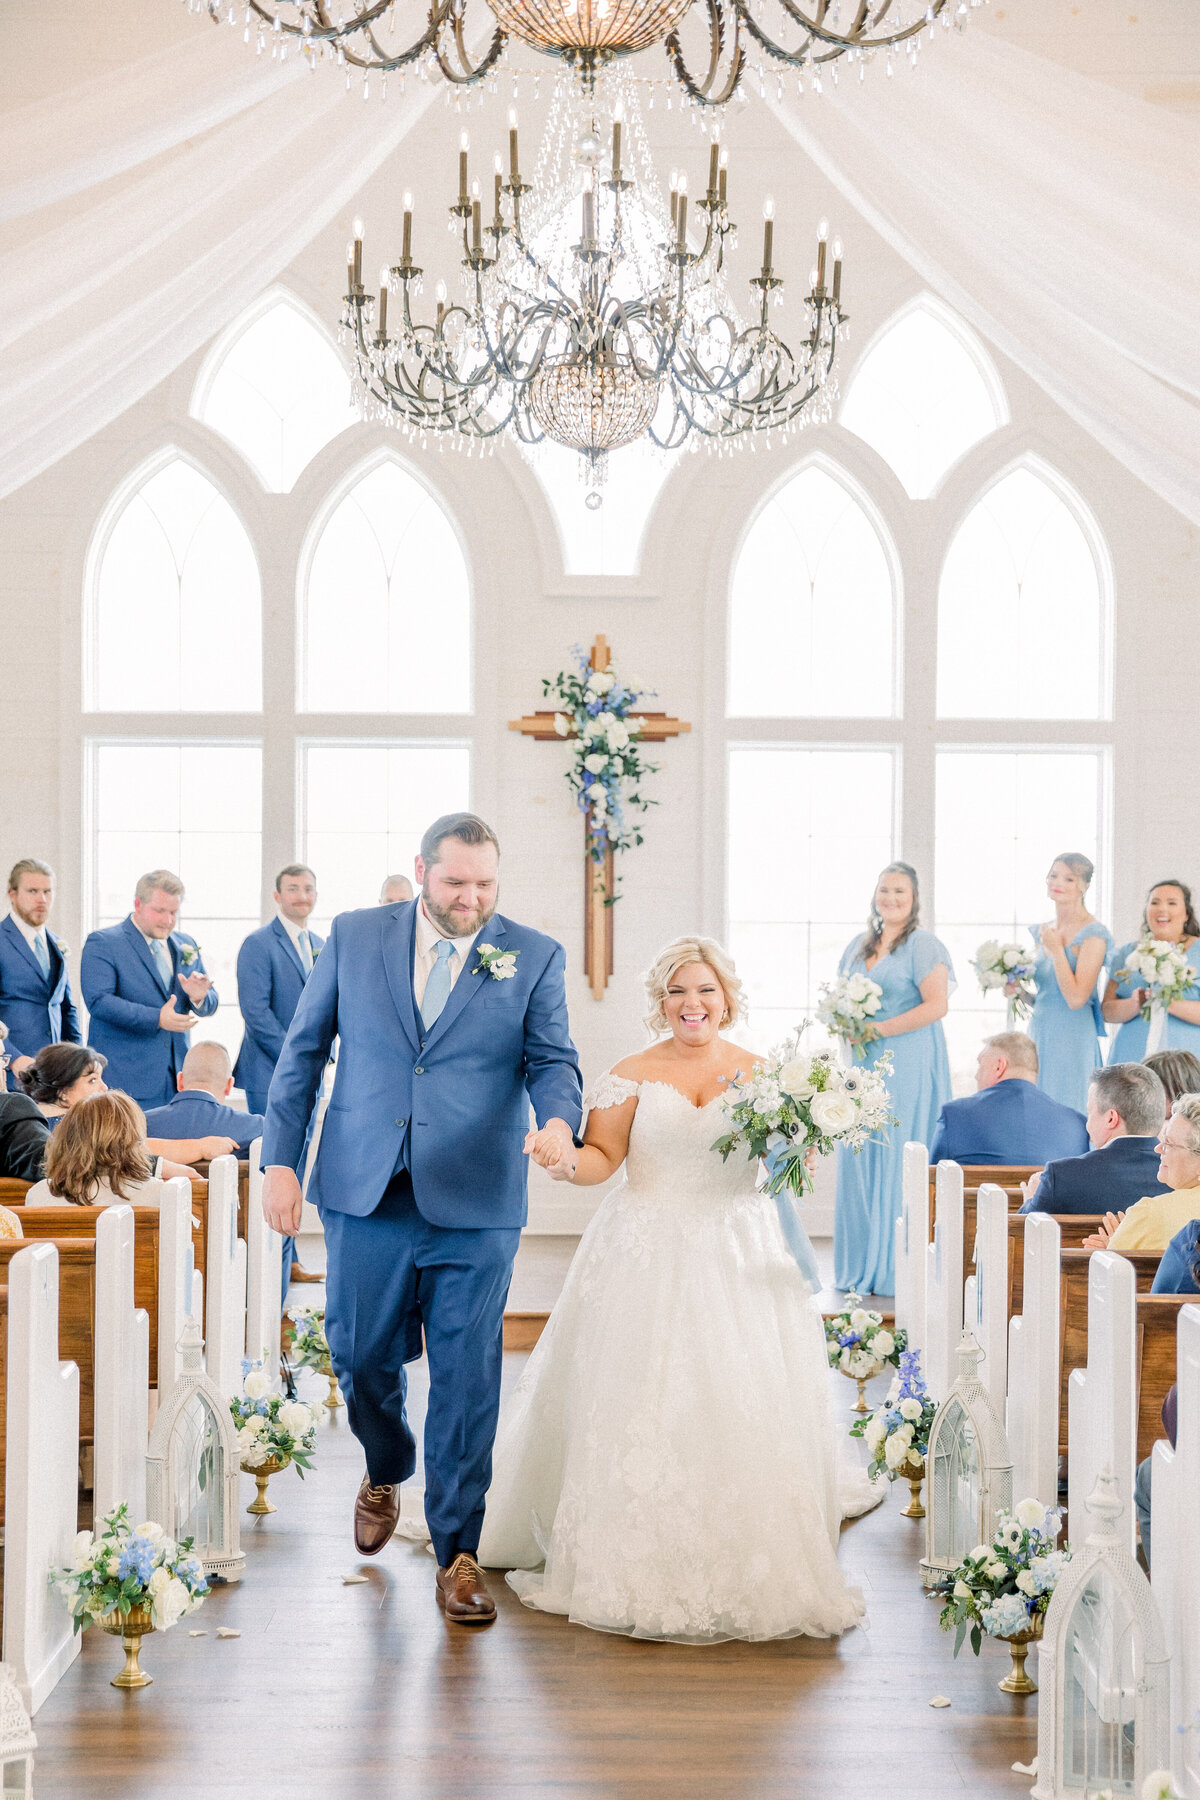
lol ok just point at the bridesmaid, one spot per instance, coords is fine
(1067, 1021)
(913, 968)
(1169, 917)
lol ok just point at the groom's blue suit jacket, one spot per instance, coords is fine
(451, 1106)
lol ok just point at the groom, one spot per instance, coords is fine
(447, 1032)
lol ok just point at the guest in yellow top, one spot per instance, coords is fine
(1150, 1224)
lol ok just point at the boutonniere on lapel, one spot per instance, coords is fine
(189, 954)
(314, 950)
(62, 946)
(501, 965)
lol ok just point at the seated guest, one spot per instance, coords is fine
(35, 992)
(24, 1134)
(98, 1157)
(1126, 1108)
(62, 1075)
(200, 1107)
(395, 889)
(1151, 1225)
(1178, 1070)
(1009, 1119)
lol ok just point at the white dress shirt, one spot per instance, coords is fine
(31, 933)
(293, 930)
(425, 952)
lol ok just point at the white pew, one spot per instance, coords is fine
(944, 1282)
(42, 1478)
(911, 1242)
(1175, 1573)
(225, 1321)
(1102, 1398)
(176, 1264)
(122, 1371)
(264, 1274)
(1033, 1365)
(987, 1307)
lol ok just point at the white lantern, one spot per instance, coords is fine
(17, 1742)
(1103, 1719)
(968, 1470)
(193, 1466)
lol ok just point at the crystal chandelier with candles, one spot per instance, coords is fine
(805, 36)
(591, 313)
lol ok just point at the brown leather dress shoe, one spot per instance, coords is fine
(301, 1274)
(376, 1511)
(462, 1592)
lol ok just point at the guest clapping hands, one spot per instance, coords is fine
(1067, 1020)
(1170, 918)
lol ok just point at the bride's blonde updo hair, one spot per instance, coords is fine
(680, 954)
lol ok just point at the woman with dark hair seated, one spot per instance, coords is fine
(98, 1156)
(62, 1075)
(1178, 1070)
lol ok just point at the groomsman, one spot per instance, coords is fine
(395, 889)
(35, 992)
(144, 985)
(273, 965)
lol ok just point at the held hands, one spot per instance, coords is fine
(553, 1149)
(195, 987)
(282, 1201)
(1099, 1239)
(216, 1146)
(170, 1019)
(1029, 1188)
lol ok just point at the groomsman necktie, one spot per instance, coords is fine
(437, 988)
(162, 961)
(42, 953)
(306, 954)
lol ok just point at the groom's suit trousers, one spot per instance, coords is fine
(391, 1275)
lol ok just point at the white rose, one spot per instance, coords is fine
(875, 1432)
(256, 1385)
(961, 1591)
(844, 1361)
(993, 1570)
(896, 1450)
(596, 762)
(1025, 1582)
(1011, 958)
(1031, 1514)
(295, 1418)
(600, 681)
(562, 725)
(160, 1580)
(832, 1113)
(883, 1343)
(981, 1553)
(911, 1409)
(81, 1554)
(795, 1078)
(254, 1425)
(858, 1319)
(150, 1530)
(171, 1604)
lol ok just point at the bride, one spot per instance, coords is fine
(667, 1466)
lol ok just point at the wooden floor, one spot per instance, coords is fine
(360, 1691)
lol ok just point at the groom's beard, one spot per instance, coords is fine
(454, 921)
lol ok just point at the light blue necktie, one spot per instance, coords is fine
(42, 953)
(162, 959)
(437, 988)
(305, 954)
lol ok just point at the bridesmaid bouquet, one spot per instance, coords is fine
(1163, 968)
(1007, 965)
(847, 1007)
(794, 1103)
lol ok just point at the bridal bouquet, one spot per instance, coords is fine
(270, 1428)
(898, 1431)
(1163, 968)
(793, 1103)
(1007, 965)
(847, 1007)
(124, 1570)
(859, 1342)
(1004, 1588)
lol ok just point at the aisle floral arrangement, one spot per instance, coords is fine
(859, 1343)
(795, 1103)
(1004, 1588)
(126, 1570)
(1007, 966)
(897, 1433)
(269, 1427)
(846, 1009)
(1164, 971)
(310, 1347)
(598, 712)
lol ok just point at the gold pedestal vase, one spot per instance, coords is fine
(262, 1473)
(334, 1397)
(912, 1470)
(1017, 1681)
(131, 1628)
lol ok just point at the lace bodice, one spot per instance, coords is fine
(671, 1143)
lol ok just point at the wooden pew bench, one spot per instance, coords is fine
(1005, 1175)
(1157, 1324)
(1073, 1228)
(1072, 1321)
(76, 1312)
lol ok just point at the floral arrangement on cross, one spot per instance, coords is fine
(597, 711)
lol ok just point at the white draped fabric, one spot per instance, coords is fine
(147, 208)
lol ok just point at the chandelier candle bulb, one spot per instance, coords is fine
(381, 321)
(714, 166)
(476, 222)
(513, 161)
(616, 149)
(464, 144)
(681, 238)
(768, 234)
(589, 211)
(837, 270)
(358, 231)
(406, 247)
(722, 173)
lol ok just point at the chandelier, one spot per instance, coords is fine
(366, 36)
(592, 314)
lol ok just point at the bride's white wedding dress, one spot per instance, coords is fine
(670, 1453)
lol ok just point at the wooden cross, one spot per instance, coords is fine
(598, 876)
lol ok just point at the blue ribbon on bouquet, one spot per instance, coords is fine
(794, 1234)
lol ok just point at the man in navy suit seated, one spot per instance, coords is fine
(144, 985)
(1009, 1119)
(395, 889)
(200, 1107)
(1127, 1105)
(35, 992)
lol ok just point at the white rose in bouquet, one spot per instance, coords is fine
(858, 1319)
(1012, 957)
(255, 1424)
(897, 1447)
(1026, 1583)
(1031, 1514)
(150, 1529)
(82, 1550)
(795, 1078)
(911, 1409)
(882, 1344)
(832, 1113)
(257, 1385)
(295, 1418)
(874, 1433)
(170, 1605)
(158, 1582)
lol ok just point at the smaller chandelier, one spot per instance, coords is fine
(604, 321)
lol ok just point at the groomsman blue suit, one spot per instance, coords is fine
(124, 993)
(1010, 1122)
(271, 979)
(35, 1004)
(421, 1181)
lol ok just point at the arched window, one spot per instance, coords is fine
(812, 625)
(174, 620)
(1022, 613)
(277, 389)
(607, 539)
(386, 604)
(922, 395)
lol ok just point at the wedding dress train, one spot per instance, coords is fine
(669, 1454)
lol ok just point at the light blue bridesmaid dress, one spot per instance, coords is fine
(1067, 1038)
(868, 1184)
(1129, 1045)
